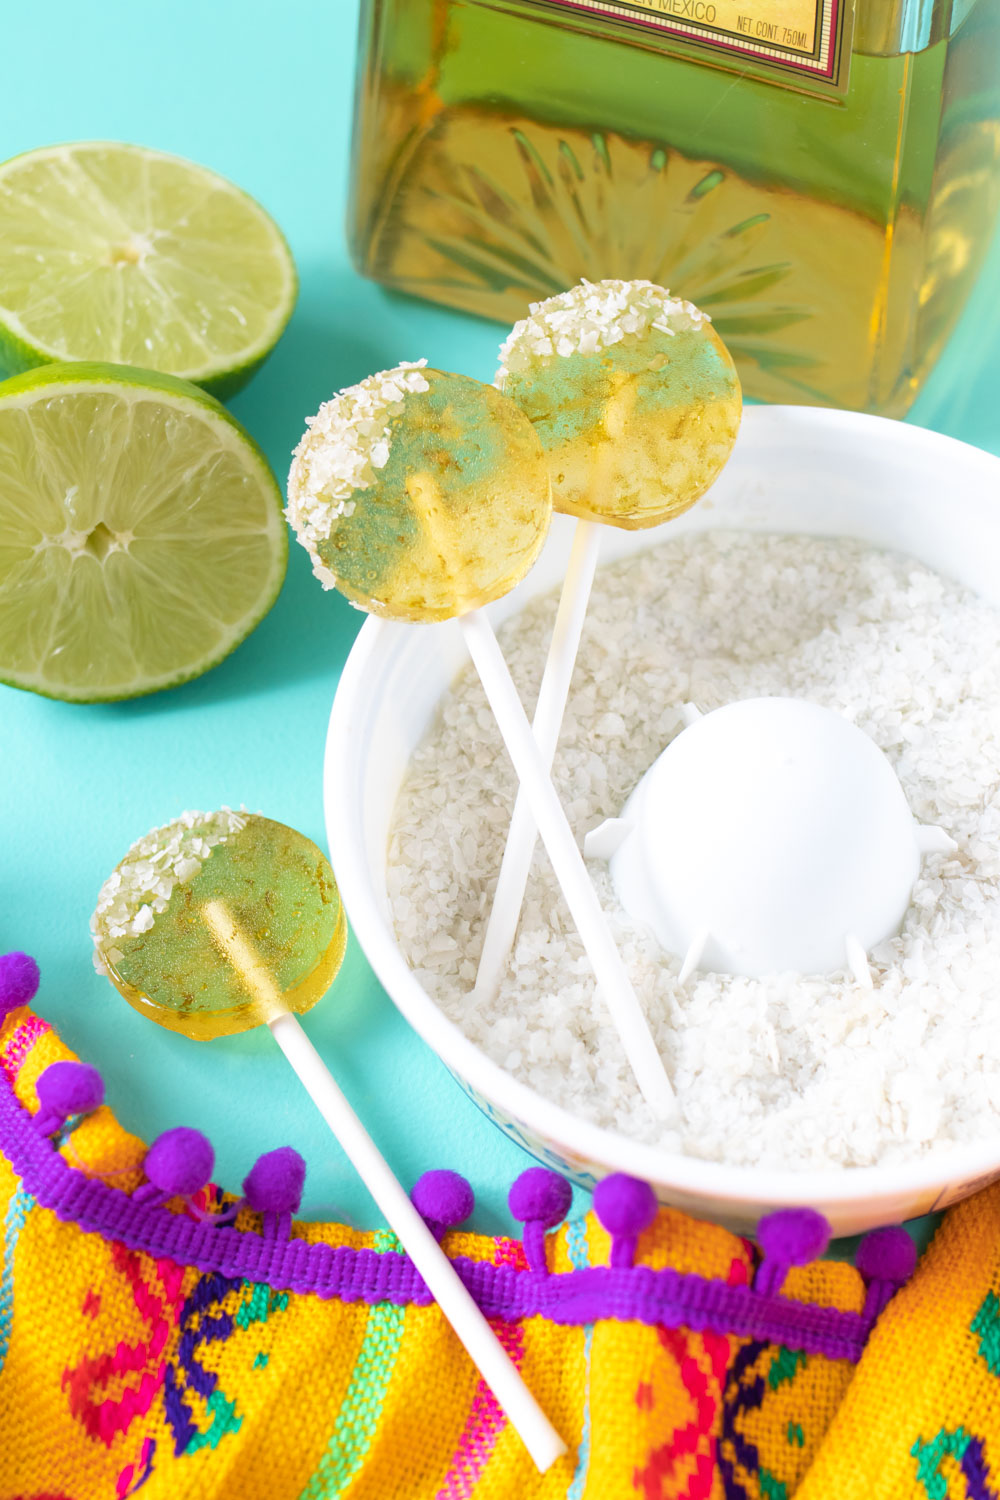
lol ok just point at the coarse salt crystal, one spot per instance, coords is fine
(790, 1071)
(344, 445)
(139, 888)
(593, 316)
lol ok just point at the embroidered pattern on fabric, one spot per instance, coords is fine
(134, 1476)
(702, 1361)
(20, 1043)
(708, 1439)
(987, 1324)
(156, 1300)
(966, 1450)
(744, 1392)
(200, 1324)
(361, 1407)
(204, 1320)
(18, 1208)
(579, 1255)
(771, 1488)
(485, 1420)
(784, 1366)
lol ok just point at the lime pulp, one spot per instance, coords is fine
(119, 253)
(141, 534)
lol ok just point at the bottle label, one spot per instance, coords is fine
(803, 39)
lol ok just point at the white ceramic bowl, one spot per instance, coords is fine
(794, 469)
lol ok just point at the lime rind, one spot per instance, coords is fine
(158, 591)
(232, 278)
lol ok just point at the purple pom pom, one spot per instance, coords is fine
(443, 1197)
(887, 1255)
(180, 1162)
(540, 1197)
(793, 1236)
(274, 1183)
(69, 1088)
(18, 981)
(624, 1205)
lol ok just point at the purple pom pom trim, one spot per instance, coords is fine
(18, 981)
(70, 1088)
(180, 1162)
(540, 1197)
(624, 1205)
(788, 1237)
(443, 1198)
(887, 1255)
(793, 1236)
(572, 1298)
(275, 1181)
(886, 1259)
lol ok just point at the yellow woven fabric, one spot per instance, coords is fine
(121, 1373)
(922, 1415)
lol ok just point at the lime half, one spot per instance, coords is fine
(112, 252)
(141, 534)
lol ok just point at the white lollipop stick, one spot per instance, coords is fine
(452, 1296)
(567, 861)
(552, 695)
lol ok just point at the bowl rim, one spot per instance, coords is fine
(943, 1168)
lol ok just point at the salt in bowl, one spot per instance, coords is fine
(794, 469)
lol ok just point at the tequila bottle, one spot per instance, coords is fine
(821, 178)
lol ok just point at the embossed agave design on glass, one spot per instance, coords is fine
(505, 149)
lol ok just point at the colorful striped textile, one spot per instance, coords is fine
(149, 1348)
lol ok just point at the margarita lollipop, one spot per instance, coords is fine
(423, 496)
(637, 404)
(219, 922)
(420, 495)
(634, 396)
(166, 913)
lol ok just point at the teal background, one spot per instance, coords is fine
(262, 93)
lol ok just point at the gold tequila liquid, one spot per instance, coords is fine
(506, 148)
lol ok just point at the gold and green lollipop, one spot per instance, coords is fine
(420, 495)
(424, 496)
(637, 404)
(219, 922)
(633, 394)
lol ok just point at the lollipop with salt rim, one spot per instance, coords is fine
(419, 494)
(637, 404)
(220, 922)
(422, 496)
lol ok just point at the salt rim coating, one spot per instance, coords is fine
(591, 316)
(141, 885)
(345, 442)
